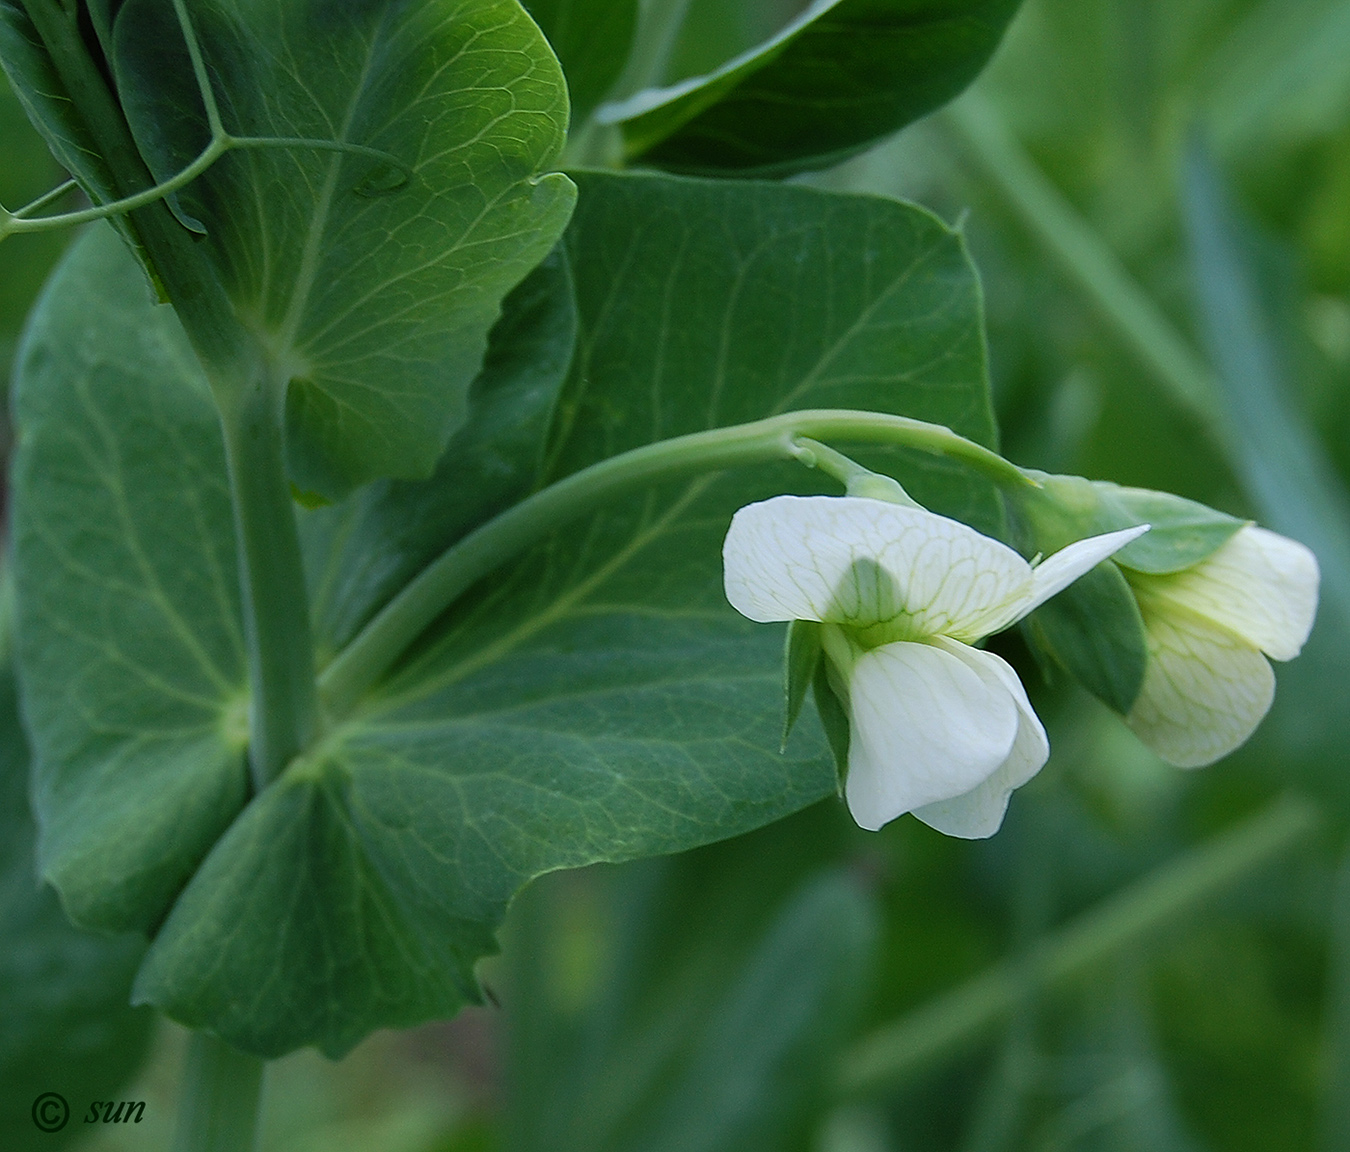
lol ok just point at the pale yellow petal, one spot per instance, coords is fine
(1260, 585)
(1205, 689)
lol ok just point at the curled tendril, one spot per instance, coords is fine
(387, 175)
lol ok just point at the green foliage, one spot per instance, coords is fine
(594, 699)
(597, 701)
(732, 970)
(38, 87)
(366, 548)
(842, 75)
(372, 289)
(35, 82)
(127, 607)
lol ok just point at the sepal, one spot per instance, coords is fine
(1094, 630)
(801, 657)
(834, 719)
(1068, 508)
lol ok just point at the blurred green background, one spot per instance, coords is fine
(1157, 194)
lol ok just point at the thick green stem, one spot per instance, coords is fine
(276, 610)
(222, 1090)
(1082, 254)
(383, 640)
(897, 1051)
(281, 662)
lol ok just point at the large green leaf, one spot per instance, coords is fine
(68, 1026)
(840, 76)
(127, 604)
(366, 548)
(372, 289)
(592, 39)
(598, 699)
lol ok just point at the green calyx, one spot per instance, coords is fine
(1062, 509)
(1094, 629)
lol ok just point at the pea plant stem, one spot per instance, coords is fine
(283, 700)
(896, 1051)
(222, 1091)
(375, 649)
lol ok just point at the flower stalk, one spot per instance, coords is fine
(787, 437)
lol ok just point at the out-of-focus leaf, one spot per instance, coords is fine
(1335, 1119)
(68, 1025)
(840, 76)
(736, 972)
(592, 39)
(1282, 465)
(29, 170)
(128, 632)
(372, 288)
(764, 1061)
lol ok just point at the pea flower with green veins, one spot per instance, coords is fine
(936, 727)
(1209, 629)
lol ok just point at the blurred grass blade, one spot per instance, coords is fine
(757, 1069)
(897, 1051)
(1282, 465)
(1283, 75)
(1087, 260)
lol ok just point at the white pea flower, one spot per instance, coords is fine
(937, 727)
(1210, 628)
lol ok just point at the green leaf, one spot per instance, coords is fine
(371, 289)
(1094, 630)
(127, 607)
(592, 39)
(375, 542)
(840, 76)
(33, 76)
(63, 993)
(595, 700)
